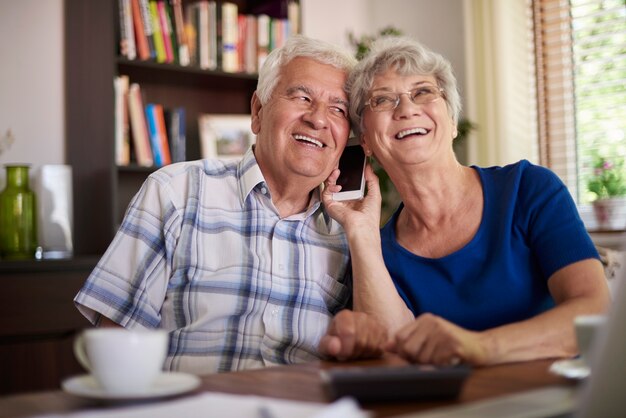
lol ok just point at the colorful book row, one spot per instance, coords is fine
(209, 34)
(148, 135)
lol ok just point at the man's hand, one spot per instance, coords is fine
(353, 335)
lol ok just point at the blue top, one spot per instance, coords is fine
(530, 229)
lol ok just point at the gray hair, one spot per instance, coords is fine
(407, 57)
(295, 47)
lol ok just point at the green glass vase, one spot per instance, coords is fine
(18, 216)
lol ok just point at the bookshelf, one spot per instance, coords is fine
(102, 190)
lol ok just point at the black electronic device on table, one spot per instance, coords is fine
(396, 383)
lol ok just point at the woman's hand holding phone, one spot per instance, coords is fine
(354, 214)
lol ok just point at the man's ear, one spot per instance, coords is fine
(256, 106)
(366, 147)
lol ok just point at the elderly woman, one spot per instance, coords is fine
(477, 265)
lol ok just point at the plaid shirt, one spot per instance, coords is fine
(203, 253)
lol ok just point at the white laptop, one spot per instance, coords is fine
(602, 395)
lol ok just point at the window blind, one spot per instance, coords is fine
(555, 89)
(580, 53)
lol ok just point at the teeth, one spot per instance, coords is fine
(420, 131)
(309, 140)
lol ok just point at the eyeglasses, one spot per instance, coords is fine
(389, 101)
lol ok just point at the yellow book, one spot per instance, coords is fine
(157, 34)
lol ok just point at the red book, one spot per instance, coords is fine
(141, 41)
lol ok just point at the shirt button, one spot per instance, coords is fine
(275, 311)
(263, 190)
(281, 267)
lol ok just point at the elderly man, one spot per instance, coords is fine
(239, 261)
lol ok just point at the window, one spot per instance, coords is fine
(580, 49)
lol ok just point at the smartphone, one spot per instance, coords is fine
(352, 172)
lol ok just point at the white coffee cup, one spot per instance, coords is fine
(587, 327)
(122, 361)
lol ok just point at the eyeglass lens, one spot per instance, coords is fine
(391, 100)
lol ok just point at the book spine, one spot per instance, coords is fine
(263, 27)
(156, 32)
(127, 36)
(181, 34)
(165, 31)
(181, 135)
(214, 36)
(203, 35)
(175, 128)
(164, 147)
(191, 32)
(143, 49)
(251, 60)
(242, 27)
(169, 18)
(141, 139)
(122, 128)
(230, 35)
(155, 142)
(148, 29)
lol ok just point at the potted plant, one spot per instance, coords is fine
(608, 184)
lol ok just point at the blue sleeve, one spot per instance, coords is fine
(554, 230)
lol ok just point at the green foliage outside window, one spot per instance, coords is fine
(599, 47)
(608, 178)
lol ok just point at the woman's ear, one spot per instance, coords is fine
(256, 107)
(455, 129)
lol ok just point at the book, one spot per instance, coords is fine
(139, 128)
(157, 35)
(148, 28)
(127, 35)
(181, 33)
(214, 36)
(165, 30)
(250, 45)
(263, 38)
(122, 127)
(143, 49)
(175, 128)
(242, 27)
(155, 135)
(191, 32)
(164, 146)
(202, 25)
(230, 35)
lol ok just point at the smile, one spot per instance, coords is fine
(308, 140)
(413, 131)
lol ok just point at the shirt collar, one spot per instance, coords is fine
(250, 176)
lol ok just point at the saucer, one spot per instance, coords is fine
(166, 384)
(571, 368)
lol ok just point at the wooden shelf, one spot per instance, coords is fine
(102, 190)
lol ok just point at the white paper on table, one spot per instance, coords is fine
(221, 405)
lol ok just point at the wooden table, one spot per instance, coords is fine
(303, 382)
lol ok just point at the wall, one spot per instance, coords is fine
(438, 24)
(31, 81)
